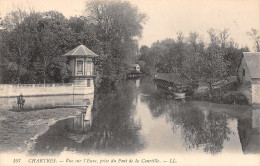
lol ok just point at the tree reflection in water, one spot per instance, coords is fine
(154, 100)
(249, 132)
(115, 130)
(206, 129)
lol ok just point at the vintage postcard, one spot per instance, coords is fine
(129, 82)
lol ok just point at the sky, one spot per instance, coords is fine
(167, 17)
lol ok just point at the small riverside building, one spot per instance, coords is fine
(135, 67)
(82, 69)
(249, 76)
(134, 72)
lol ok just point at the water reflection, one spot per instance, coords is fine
(113, 129)
(199, 128)
(249, 132)
(138, 119)
(208, 130)
(65, 134)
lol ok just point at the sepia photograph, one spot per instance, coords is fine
(130, 82)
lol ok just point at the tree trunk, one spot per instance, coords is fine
(44, 70)
(210, 91)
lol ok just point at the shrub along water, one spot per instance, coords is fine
(231, 97)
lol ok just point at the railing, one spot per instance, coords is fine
(91, 74)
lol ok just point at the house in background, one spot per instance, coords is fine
(135, 67)
(135, 72)
(82, 69)
(249, 76)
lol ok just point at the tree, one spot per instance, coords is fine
(15, 55)
(255, 36)
(190, 58)
(34, 42)
(143, 55)
(194, 49)
(49, 32)
(143, 52)
(117, 23)
(212, 66)
(13, 19)
(33, 48)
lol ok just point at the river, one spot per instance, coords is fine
(137, 119)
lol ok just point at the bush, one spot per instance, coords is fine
(235, 98)
(230, 98)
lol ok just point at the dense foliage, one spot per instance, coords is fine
(117, 24)
(32, 44)
(192, 58)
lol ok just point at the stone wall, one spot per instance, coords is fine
(7, 90)
(256, 91)
(247, 77)
(45, 102)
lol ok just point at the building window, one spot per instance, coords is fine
(88, 82)
(79, 67)
(88, 68)
(244, 72)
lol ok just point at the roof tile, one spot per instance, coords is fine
(81, 51)
(253, 63)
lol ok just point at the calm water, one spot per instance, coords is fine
(138, 119)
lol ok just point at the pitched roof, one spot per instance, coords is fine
(175, 78)
(81, 51)
(253, 63)
(134, 65)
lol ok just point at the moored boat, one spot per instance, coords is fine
(179, 95)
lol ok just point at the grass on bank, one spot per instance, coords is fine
(18, 130)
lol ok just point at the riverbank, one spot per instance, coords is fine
(19, 130)
(225, 97)
(223, 92)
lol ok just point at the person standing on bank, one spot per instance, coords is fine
(20, 101)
